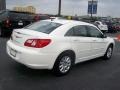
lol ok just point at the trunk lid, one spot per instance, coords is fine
(19, 36)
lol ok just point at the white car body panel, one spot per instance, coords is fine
(82, 47)
(85, 48)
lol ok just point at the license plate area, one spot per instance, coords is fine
(20, 23)
(13, 52)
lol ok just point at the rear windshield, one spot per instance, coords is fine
(19, 16)
(43, 26)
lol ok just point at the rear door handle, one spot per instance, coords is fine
(76, 40)
(94, 40)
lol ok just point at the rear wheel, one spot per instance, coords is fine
(108, 53)
(63, 64)
(0, 32)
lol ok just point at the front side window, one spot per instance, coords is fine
(43, 26)
(94, 32)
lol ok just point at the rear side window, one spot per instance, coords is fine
(77, 31)
(43, 26)
(80, 31)
(70, 32)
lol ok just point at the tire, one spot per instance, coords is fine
(63, 64)
(0, 32)
(108, 53)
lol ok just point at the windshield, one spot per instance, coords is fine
(43, 26)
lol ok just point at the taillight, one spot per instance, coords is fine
(37, 43)
(7, 23)
(37, 18)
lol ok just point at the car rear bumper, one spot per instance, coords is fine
(31, 58)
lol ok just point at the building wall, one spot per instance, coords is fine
(29, 9)
(2, 4)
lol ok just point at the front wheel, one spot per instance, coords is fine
(108, 53)
(63, 64)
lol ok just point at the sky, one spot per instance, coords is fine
(69, 7)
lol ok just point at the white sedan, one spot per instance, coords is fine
(58, 44)
(102, 26)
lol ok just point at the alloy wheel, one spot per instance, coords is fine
(65, 64)
(109, 52)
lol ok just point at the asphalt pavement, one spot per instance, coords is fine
(96, 74)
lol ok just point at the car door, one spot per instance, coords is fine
(80, 43)
(98, 43)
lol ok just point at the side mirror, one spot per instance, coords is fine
(104, 36)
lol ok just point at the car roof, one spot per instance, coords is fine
(62, 21)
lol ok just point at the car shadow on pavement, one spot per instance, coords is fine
(90, 62)
(28, 72)
(36, 73)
